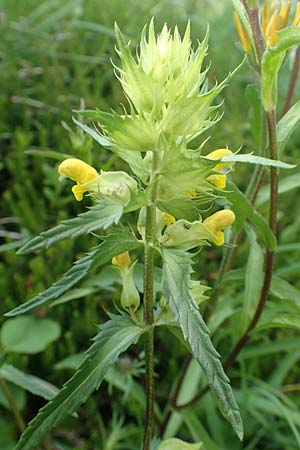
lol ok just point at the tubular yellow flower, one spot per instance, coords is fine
(122, 261)
(219, 180)
(275, 17)
(78, 171)
(218, 222)
(243, 35)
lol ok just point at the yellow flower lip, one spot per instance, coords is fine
(77, 170)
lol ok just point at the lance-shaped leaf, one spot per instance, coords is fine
(244, 209)
(30, 383)
(271, 63)
(118, 242)
(114, 338)
(177, 292)
(103, 214)
(287, 125)
(253, 159)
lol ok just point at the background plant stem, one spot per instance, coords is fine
(13, 406)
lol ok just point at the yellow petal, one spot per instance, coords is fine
(78, 192)
(218, 154)
(243, 35)
(169, 219)
(296, 20)
(77, 170)
(220, 220)
(219, 238)
(123, 260)
(218, 180)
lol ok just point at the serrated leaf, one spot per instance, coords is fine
(100, 216)
(117, 242)
(177, 292)
(271, 62)
(252, 159)
(30, 383)
(114, 338)
(253, 280)
(244, 209)
(286, 125)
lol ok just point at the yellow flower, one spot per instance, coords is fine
(274, 17)
(78, 171)
(217, 222)
(219, 180)
(122, 261)
(243, 34)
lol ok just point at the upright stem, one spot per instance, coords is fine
(13, 406)
(148, 305)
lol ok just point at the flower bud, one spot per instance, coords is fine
(178, 444)
(218, 222)
(130, 297)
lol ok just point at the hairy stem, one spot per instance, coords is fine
(13, 406)
(149, 306)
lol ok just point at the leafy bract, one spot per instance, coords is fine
(177, 292)
(30, 383)
(114, 338)
(104, 213)
(244, 209)
(117, 242)
(133, 159)
(271, 62)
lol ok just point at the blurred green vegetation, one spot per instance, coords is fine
(55, 57)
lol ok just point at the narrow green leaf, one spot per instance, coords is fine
(286, 125)
(29, 383)
(253, 280)
(177, 292)
(114, 338)
(272, 60)
(48, 154)
(197, 429)
(252, 159)
(117, 242)
(285, 185)
(284, 290)
(244, 209)
(283, 321)
(103, 214)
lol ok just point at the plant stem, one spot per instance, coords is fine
(13, 406)
(149, 305)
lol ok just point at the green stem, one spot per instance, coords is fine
(149, 304)
(13, 406)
